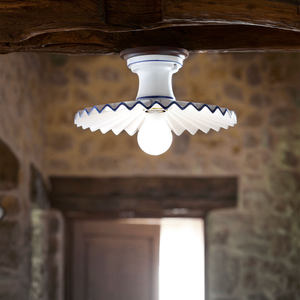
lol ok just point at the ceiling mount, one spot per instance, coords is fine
(132, 52)
(155, 113)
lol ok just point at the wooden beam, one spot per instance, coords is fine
(142, 197)
(212, 38)
(280, 14)
(23, 19)
(108, 26)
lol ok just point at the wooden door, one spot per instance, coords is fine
(113, 260)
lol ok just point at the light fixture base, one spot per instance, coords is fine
(155, 67)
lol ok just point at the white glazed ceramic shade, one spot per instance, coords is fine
(179, 115)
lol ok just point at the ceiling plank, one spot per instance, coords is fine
(210, 38)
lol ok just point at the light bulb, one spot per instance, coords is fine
(155, 136)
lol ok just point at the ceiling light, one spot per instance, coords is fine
(155, 113)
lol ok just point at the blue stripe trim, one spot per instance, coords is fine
(151, 60)
(155, 97)
(156, 102)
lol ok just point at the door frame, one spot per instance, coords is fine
(165, 197)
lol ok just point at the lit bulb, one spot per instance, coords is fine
(155, 136)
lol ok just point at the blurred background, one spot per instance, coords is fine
(251, 250)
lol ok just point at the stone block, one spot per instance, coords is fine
(289, 159)
(53, 284)
(253, 120)
(224, 271)
(39, 194)
(53, 246)
(54, 226)
(9, 168)
(65, 118)
(8, 295)
(59, 165)
(295, 95)
(256, 200)
(87, 147)
(280, 246)
(102, 163)
(269, 286)
(260, 100)
(61, 142)
(253, 75)
(257, 297)
(237, 73)
(269, 225)
(252, 247)
(81, 76)
(10, 236)
(83, 98)
(249, 280)
(220, 237)
(58, 96)
(272, 268)
(257, 160)
(267, 139)
(10, 233)
(223, 162)
(108, 73)
(293, 283)
(249, 262)
(10, 204)
(58, 78)
(250, 140)
(9, 257)
(233, 92)
(288, 296)
(283, 184)
(282, 117)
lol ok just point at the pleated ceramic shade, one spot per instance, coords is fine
(179, 115)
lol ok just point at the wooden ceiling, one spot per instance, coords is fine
(110, 26)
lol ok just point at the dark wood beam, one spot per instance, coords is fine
(212, 38)
(109, 26)
(142, 197)
(280, 14)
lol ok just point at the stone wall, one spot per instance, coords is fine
(22, 140)
(253, 250)
(47, 255)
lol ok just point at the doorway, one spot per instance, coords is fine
(137, 259)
